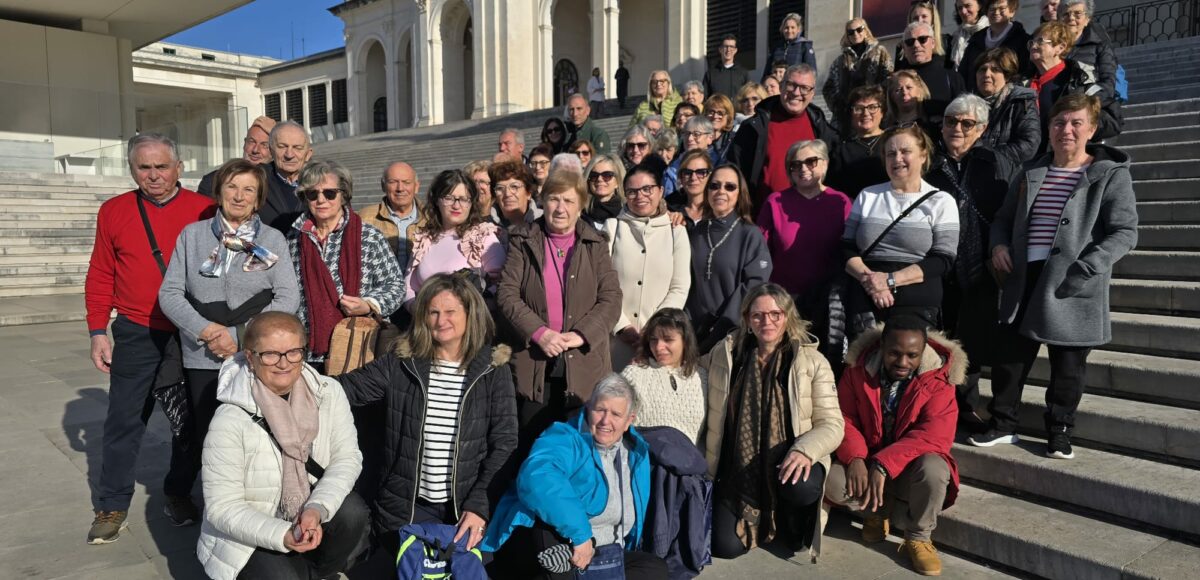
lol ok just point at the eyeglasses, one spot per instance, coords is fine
(701, 173)
(772, 315)
(810, 163)
(728, 47)
(453, 201)
(1073, 15)
(584, 153)
(1037, 43)
(798, 88)
(641, 145)
(605, 176)
(660, 81)
(272, 358)
(514, 188)
(554, 130)
(695, 134)
(911, 42)
(966, 124)
(858, 30)
(728, 186)
(329, 194)
(645, 190)
(861, 109)
(539, 164)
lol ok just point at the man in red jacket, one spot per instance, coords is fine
(897, 397)
(124, 275)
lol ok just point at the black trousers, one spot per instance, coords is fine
(970, 316)
(344, 536)
(517, 559)
(797, 500)
(533, 417)
(202, 392)
(1013, 361)
(138, 352)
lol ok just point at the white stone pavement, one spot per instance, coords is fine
(52, 405)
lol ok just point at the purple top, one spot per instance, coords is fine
(559, 248)
(805, 235)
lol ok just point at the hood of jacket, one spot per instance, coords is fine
(942, 354)
(235, 380)
(499, 355)
(1105, 158)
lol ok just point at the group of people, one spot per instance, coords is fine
(565, 314)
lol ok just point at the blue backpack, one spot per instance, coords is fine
(429, 552)
(1122, 85)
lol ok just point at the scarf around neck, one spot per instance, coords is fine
(321, 294)
(242, 239)
(963, 35)
(294, 423)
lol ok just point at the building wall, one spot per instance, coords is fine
(303, 76)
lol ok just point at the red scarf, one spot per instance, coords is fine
(1045, 78)
(320, 293)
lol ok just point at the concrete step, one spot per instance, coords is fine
(1186, 189)
(1149, 136)
(1166, 121)
(1154, 296)
(1163, 151)
(1154, 379)
(40, 290)
(1051, 543)
(1152, 493)
(1160, 107)
(1172, 237)
(19, 311)
(1161, 80)
(26, 212)
(1155, 334)
(1169, 212)
(23, 221)
(1179, 92)
(1143, 67)
(1164, 432)
(43, 258)
(1165, 170)
(1152, 265)
(18, 271)
(45, 245)
(44, 280)
(23, 231)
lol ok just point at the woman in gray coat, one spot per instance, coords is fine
(1064, 224)
(225, 270)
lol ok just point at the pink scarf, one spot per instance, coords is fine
(294, 423)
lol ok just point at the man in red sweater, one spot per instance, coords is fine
(125, 274)
(897, 397)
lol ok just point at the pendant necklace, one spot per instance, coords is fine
(713, 247)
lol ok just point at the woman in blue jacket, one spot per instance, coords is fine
(581, 497)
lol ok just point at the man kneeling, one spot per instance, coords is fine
(897, 396)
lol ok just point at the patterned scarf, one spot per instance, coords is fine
(242, 239)
(294, 423)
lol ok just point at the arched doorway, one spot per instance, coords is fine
(572, 46)
(566, 81)
(379, 115)
(458, 56)
(373, 89)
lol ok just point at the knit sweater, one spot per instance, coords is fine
(682, 406)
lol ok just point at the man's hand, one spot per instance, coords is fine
(472, 526)
(583, 555)
(856, 480)
(101, 352)
(875, 491)
(795, 467)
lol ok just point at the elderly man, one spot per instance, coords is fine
(512, 144)
(135, 235)
(290, 150)
(944, 84)
(256, 148)
(760, 146)
(726, 77)
(398, 210)
(581, 127)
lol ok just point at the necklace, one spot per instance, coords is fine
(713, 247)
(559, 251)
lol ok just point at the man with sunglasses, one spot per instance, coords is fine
(944, 84)
(255, 148)
(725, 76)
(290, 150)
(580, 126)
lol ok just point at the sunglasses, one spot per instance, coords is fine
(911, 42)
(329, 194)
(601, 176)
(554, 130)
(636, 145)
(966, 124)
(810, 163)
(702, 173)
(858, 30)
(728, 186)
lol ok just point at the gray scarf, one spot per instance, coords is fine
(962, 35)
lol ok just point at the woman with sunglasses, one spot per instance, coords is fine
(661, 98)
(1058, 76)
(554, 134)
(454, 235)
(863, 62)
(637, 146)
(969, 15)
(344, 267)
(729, 257)
(1003, 31)
(605, 176)
(583, 149)
(719, 110)
(689, 198)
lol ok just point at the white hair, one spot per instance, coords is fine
(615, 386)
(150, 139)
(968, 104)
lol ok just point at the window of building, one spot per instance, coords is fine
(341, 109)
(736, 17)
(295, 105)
(206, 56)
(271, 105)
(168, 50)
(317, 117)
(779, 9)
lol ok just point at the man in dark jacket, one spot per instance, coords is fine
(580, 126)
(790, 117)
(290, 150)
(726, 77)
(256, 148)
(944, 84)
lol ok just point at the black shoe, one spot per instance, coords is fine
(181, 510)
(992, 437)
(1059, 445)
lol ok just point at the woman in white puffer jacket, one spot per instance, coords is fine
(265, 514)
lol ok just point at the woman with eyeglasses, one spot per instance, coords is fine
(1013, 131)
(684, 113)
(719, 110)
(729, 257)
(697, 136)
(636, 146)
(748, 98)
(856, 163)
(605, 176)
(539, 166)
(583, 149)
(554, 134)
(773, 422)
(863, 62)
(970, 17)
(1003, 31)
(1058, 76)
(512, 188)
(689, 197)
(1092, 45)
(661, 99)
(344, 267)
(651, 256)
(455, 236)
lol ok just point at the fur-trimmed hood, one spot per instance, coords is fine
(941, 353)
(500, 354)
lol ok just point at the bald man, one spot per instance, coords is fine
(580, 126)
(256, 149)
(398, 210)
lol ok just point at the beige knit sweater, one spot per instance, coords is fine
(683, 407)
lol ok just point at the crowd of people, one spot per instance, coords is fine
(574, 330)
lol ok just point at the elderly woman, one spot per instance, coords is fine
(795, 49)
(652, 258)
(583, 149)
(973, 174)
(803, 227)
(773, 421)
(863, 62)
(697, 136)
(1055, 240)
(667, 376)
(559, 299)
(636, 146)
(900, 239)
(729, 257)
(907, 95)
(1091, 45)
(453, 235)
(689, 197)
(693, 94)
(450, 415)
(666, 145)
(856, 162)
(478, 172)
(661, 98)
(719, 110)
(581, 497)
(279, 464)
(605, 176)
(655, 123)
(748, 98)
(1003, 31)
(684, 113)
(554, 134)
(513, 186)
(1058, 76)
(539, 165)
(344, 267)
(970, 17)
(1013, 131)
(225, 270)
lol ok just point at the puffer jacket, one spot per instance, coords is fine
(814, 412)
(487, 431)
(1014, 131)
(1095, 48)
(242, 470)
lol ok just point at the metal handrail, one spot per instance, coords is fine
(1147, 22)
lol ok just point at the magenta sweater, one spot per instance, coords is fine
(803, 236)
(554, 272)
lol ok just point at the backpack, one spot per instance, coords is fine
(1122, 85)
(428, 551)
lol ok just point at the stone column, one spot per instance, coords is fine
(687, 31)
(606, 22)
(422, 67)
(825, 27)
(355, 79)
(762, 48)
(214, 139)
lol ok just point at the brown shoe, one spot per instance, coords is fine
(875, 528)
(106, 528)
(924, 557)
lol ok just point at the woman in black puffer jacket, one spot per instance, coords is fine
(451, 414)
(1014, 130)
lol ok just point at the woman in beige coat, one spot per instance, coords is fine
(770, 455)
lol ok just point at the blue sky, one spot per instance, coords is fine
(267, 28)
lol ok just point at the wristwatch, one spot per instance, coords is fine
(891, 282)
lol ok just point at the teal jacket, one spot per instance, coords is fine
(562, 484)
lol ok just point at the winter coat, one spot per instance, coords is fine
(798, 51)
(679, 517)
(487, 431)
(1095, 48)
(813, 408)
(978, 187)
(592, 133)
(850, 71)
(1017, 41)
(591, 306)
(749, 148)
(380, 216)
(725, 80)
(1014, 131)
(1070, 303)
(1079, 77)
(242, 470)
(562, 485)
(648, 107)
(927, 414)
(281, 206)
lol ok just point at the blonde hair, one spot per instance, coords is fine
(937, 22)
(892, 108)
(867, 34)
(796, 327)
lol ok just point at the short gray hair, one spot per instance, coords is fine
(649, 118)
(314, 171)
(639, 130)
(910, 30)
(150, 139)
(692, 84)
(518, 135)
(699, 123)
(801, 68)
(815, 144)
(284, 125)
(968, 104)
(615, 386)
(1089, 6)
(567, 161)
(667, 139)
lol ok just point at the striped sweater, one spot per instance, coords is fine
(1048, 207)
(441, 428)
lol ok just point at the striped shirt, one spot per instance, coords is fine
(441, 428)
(1048, 208)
